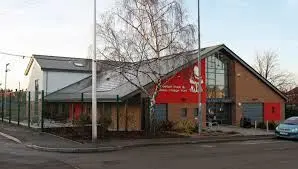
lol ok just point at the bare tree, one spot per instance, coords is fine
(145, 35)
(267, 64)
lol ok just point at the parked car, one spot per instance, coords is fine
(288, 128)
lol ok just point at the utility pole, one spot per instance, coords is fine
(94, 100)
(200, 116)
(6, 70)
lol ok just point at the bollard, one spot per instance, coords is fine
(255, 124)
(267, 126)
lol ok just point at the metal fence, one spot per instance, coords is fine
(65, 110)
(21, 107)
(74, 108)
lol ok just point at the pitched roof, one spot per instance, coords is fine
(293, 91)
(110, 83)
(67, 63)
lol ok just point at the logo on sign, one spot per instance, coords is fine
(195, 80)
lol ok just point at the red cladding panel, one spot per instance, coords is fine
(183, 86)
(272, 111)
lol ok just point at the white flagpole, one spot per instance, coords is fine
(200, 116)
(94, 100)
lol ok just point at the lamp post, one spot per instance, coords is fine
(94, 100)
(6, 70)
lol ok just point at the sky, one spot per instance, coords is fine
(64, 28)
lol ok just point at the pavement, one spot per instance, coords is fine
(243, 131)
(254, 154)
(16, 156)
(47, 142)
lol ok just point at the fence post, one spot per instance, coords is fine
(19, 94)
(10, 107)
(42, 110)
(117, 112)
(29, 108)
(82, 103)
(2, 100)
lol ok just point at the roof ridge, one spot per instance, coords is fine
(60, 57)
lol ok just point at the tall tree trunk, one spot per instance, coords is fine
(152, 114)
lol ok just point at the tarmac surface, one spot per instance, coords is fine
(232, 155)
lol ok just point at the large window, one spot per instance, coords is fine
(217, 76)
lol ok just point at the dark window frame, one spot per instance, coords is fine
(196, 112)
(183, 112)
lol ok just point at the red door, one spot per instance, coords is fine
(74, 111)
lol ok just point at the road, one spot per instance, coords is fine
(234, 155)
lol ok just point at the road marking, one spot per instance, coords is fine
(255, 142)
(261, 142)
(10, 138)
(207, 146)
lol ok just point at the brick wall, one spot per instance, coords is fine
(248, 88)
(174, 111)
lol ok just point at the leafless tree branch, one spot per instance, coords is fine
(267, 65)
(140, 33)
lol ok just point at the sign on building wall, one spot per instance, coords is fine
(183, 87)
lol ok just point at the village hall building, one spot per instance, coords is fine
(231, 89)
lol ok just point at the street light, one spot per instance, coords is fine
(6, 70)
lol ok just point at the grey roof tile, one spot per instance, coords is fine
(111, 83)
(71, 64)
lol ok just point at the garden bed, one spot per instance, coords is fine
(83, 134)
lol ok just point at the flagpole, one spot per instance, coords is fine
(94, 100)
(200, 116)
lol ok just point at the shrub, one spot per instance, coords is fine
(83, 120)
(105, 121)
(165, 125)
(195, 129)
(185, 126)
(261, 125)
(272, 125)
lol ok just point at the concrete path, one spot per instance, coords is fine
(244, 131)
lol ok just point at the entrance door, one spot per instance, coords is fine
(254, 111)
(161, 112)
(222, 112)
